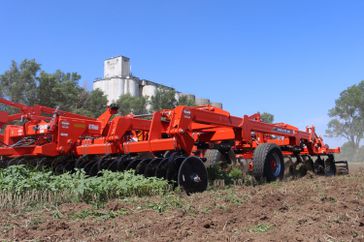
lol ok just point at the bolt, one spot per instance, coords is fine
(196, 178)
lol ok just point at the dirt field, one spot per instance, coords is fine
(309, 209)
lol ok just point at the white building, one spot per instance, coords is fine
(118, 81)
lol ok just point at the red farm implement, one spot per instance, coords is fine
(176, 144)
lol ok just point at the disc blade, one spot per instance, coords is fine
(132, 165)
(192, 175)
(172, 168)
(141, 166)
(161, 169)
(151, 167)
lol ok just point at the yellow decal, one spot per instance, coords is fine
(82, 126)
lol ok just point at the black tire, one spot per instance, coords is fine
(214, 157)
(268, 162)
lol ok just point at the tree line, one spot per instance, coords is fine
(28, 84)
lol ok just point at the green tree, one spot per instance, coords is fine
(267, 117)
(186, 101)
(129, 104)
(96, 102)
(163, 99)
(19, 83)
(26, 83)
(47, 86)
(66, 91)
(347, 117)
(91, 104)
(59, 89)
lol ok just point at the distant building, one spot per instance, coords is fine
(118, 81)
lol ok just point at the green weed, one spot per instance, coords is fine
(260, 228)
(19, 184)
(99, 214)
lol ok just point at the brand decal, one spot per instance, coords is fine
(65, 124)
(187, 113)
(93, 127)
(282, 130)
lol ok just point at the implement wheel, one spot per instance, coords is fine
(214, 157)
(268, 162)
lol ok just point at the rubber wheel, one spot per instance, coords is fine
(268, 162)
(214, 157)
(192, 175)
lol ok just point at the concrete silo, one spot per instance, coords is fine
(114, 84)
(117, 67)
(149, 90)
(118, 80)
(216, 104)
(202, 101)
(131, 86)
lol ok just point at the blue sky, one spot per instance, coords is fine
(289, 58)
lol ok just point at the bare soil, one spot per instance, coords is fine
(309, 209)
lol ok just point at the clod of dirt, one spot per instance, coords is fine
(114, 206)
(62, 226)
(283, 209)
(328, 199)
(209, 225)
(302, 221)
